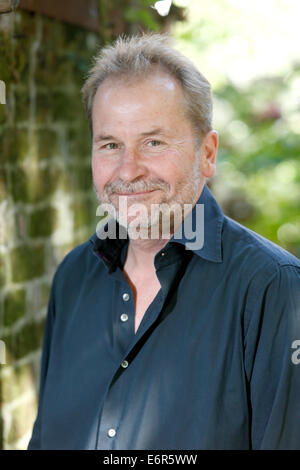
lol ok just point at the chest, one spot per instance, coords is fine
(144, 294)
(191, 363)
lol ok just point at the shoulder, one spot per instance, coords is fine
(76, 255)
(257, 265)
(76, 263)
(266, 274)
(255, 253)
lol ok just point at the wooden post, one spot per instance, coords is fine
(7, 6)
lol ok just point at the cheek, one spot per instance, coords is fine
(172, 170)
(95, 165)
(101, 173)
(171, 166)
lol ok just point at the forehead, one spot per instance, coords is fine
(156, 91)
(131, 107)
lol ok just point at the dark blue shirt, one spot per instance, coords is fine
(214, 363)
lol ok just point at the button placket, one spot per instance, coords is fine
(124, 317)
(110, 418)
(111, 432)
(123, 327)
(115, 400)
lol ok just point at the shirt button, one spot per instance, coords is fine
(124, 364)
(124, 317)
(163, 253)
(111, 432)
(125, 297)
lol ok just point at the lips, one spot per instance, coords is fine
(135, 194)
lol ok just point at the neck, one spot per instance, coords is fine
(141, 253)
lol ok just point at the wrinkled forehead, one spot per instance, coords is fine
(157, 77)
(166, 91)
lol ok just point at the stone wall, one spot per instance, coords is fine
(47, 204)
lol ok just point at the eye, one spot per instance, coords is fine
(111, 146)
(154, 143)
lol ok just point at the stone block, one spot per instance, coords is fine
(20, 225)
(18, 381)
(3, 270)
(27, 262)
(13, 145)
(23, 417)
(49, 60)
(14, 306)
(3, 184)
(47, 144)
(22, 104)
(43, 106)
(37, 297)
(79, 144)
(83, 178)
(29, 338)
(84, 214)
(42, 222)
(67, 106)
(54, 37)
(6, 56)
(32, 185)
(24, 35)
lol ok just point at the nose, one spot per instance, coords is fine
(131, 166)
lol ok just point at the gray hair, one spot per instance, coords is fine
(134, 57)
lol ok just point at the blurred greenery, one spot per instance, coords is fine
(255, 76)
(120, 17)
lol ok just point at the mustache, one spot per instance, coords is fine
(120, 186)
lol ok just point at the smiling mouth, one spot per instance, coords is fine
(137, 193)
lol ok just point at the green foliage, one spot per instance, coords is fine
(143, 16)
(126, 17)
(257, 114)
(132, 17)
(259, 156)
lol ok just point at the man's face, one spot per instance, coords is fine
(144, 145)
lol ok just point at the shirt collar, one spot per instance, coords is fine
(207, 229)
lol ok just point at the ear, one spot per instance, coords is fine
(208, 153)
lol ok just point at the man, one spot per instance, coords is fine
(164, 342)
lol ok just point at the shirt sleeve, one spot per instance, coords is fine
(35, 441)
(272, 359)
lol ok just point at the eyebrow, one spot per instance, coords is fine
(102, 137)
